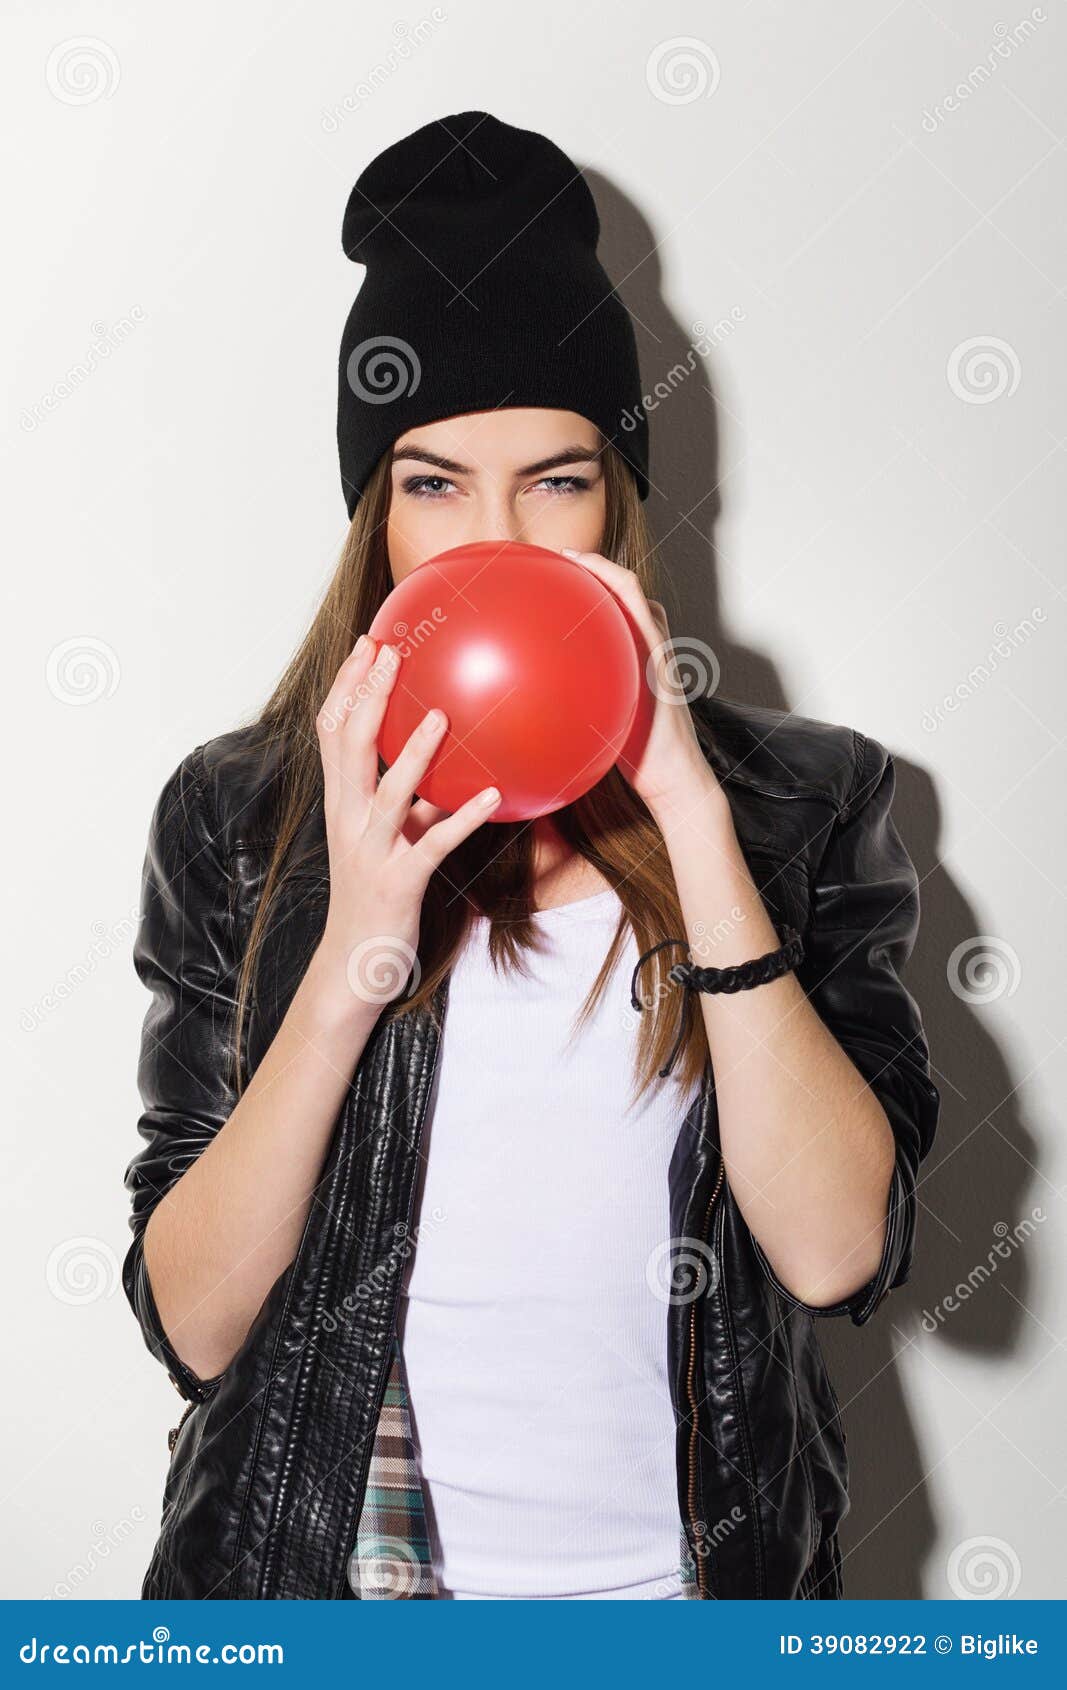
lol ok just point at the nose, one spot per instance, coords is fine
(497, 518)
(501, 531)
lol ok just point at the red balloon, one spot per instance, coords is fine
(534, 663)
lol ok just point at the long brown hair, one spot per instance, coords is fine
(491, 872)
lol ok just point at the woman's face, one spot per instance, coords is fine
(514, 474)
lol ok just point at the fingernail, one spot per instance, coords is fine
(489, 796)
(360, 645)
(568, 551)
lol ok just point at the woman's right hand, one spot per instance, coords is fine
(382, 847)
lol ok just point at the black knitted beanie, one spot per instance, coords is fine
(482, 289)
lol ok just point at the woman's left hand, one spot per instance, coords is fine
(662, 758)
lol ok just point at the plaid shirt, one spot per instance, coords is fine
(392, 1558)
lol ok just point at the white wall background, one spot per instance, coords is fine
(884, 419)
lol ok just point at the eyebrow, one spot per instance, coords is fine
(569, 455)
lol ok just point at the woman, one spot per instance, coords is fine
(485, 1251)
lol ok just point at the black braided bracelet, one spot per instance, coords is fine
(737, 978)
(742, 975)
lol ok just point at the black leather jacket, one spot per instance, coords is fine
(268, 1469)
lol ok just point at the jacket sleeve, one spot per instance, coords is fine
(865, 918)
(184, 953)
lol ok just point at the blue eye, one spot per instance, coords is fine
(419, 485)
(437, 486)
(566, 483)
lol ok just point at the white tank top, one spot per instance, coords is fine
(533, 1315)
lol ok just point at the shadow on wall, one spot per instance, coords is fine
(979, 1183)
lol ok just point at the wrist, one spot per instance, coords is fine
(332, 999)
(697, 800)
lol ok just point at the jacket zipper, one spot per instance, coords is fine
(694, 1431)
(172, 1435)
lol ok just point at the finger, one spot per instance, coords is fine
(660, 616)
(396, 789)
(361, 729)
(443, 837)
(626, 587)
(597, 563)
(334, 712)
(421, 816)
(614, 575)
